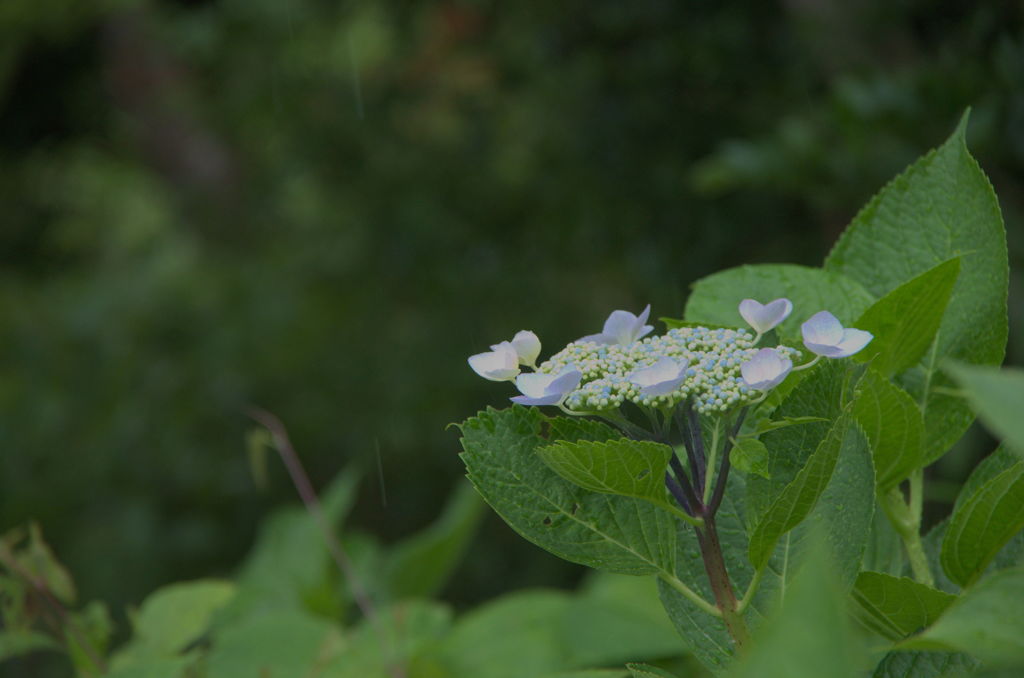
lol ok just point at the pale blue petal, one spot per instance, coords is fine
(564, 383)
(537, 402)
(854, 340)
(620, 325)
(822, 328)
(534, 384)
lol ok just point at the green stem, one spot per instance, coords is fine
(712, 458)
(906, 520)
(690, 594)
(751, 590)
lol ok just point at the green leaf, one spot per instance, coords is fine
(420, 565)
(894, 426)
(607, 532)
(514, 636)
(926, 665)
(15, 643)
(716, 298)
(171, 618)
(402, 634)
(810, 635)
(940, 208)
(820, 395)
(290, 558)
(983, 524)
(279, 643)
(799, 497)
(895, 607)
(996, 395)
(766, 425)
(156, 667)
(630, 468)
(884, 549)
(986, 621)
(750, 455)
(615, 618)
(906, 319)
(648, 671)
(88, 647)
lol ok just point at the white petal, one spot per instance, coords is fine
(853, 341)
(766, 369)
(534, 384)
(622, 326)
(764, 317)
(527, 346)
(823, 329)
(543, 400)
(501, 364)
(565, 383)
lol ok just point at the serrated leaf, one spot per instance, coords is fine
(894, 427)
(997, 396)
(986, 621)
(884, 549)
(906, 319)
(631, 468)
(419, 566)
(750, 455)
(648, 671)
(895, 607)
(716, 298)
(983, 524)
(799, 497)
(939, 208)
(607, 532)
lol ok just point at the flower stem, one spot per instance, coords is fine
(721, 587)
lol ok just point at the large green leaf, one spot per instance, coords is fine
(906, 319)
(420, 565)
(716, 298)
(648, 671)
(986, 621)
(799, 497)
(15, 643)
(607, 532)
(894, 427)
(810, 634)
(996, 396)
(940, 208)
(895, 607)
(983, 524)
(630, 468)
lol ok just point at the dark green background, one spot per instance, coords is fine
(323, 207)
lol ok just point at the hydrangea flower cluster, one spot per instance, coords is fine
(716, 370)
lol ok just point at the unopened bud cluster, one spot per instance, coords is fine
(712, 359)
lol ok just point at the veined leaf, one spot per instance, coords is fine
(607, 532)
(983, 524)
(648, 671)
(926, 665)
(941, 207)
(631, 468)
(895, 607)
(894, 427)
(799, 497)
(906, 319)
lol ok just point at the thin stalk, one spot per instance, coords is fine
(690, 594)
(682, 497)
(712, 456)
(304, 487)
(751, 590)
(681, 482)
(721, 587)
(697, 439)
(906, 520)
(723, 470)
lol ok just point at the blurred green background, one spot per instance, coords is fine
(323, 207)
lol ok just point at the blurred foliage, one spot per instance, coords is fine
(290, 612)
(323, 208)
